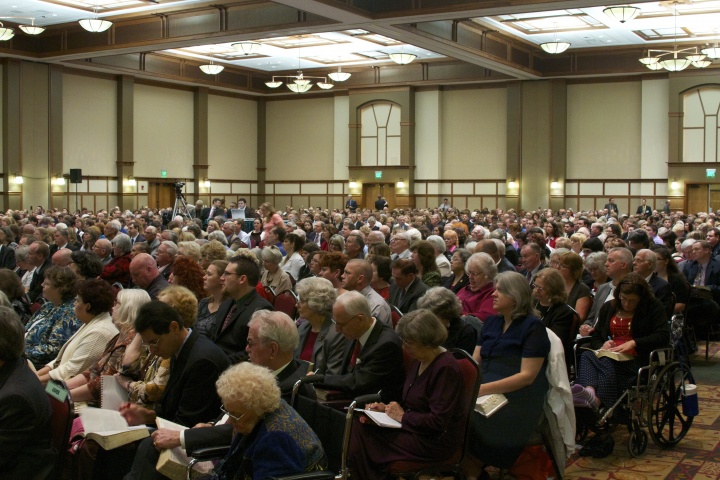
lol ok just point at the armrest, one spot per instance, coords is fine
(323, 475)
(209, 453)
(363, 400)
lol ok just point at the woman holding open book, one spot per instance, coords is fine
(632, 324)
(513, 347)
(85, 387)
(432, 410)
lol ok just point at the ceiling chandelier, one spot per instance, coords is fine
(402, 58)
(247, 48)
(6, 33)
(211, 68)
(622, 13)
(555, 46)
(674, 63)
(299, 83)
(95, 24)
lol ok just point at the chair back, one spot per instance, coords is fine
(61, 421)
(395, 315)
(472, 378)
(285, 302)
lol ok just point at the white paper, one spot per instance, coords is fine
(382, 419)
(113, 394)
(98, 420)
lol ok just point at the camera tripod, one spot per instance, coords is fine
(180, 207)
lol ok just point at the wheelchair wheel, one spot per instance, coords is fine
(668, 425)
(638, 441)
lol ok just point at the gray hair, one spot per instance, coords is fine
(515, 286)
(484, 263)
(271, 254)
(354, 303)
(130, 299)
(114, 224)
(172, 247)
(685, 244)
(22, 252)
(318, 293)
(438, 243)
(12, 335)
(423, 327)
(413, 235)
(276, 327)
(252, 386)
(650, 256)
(464, 253)
(219, 236)
(442, 302)
(500, 246)
(123, 241)
(596, 260)
(190, 249)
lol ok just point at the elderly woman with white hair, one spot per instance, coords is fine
(85, 387)
(118, 269)
(271, 439)
(448, 308)
(320, 343)
(273, 276)
(476, 296)
(442, 262)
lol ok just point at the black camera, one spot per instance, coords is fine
(179, 185)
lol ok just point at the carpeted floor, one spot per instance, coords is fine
(696, 457)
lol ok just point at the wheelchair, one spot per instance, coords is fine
(654, 401)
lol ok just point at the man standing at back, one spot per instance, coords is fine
(611, 207)
(231, 325)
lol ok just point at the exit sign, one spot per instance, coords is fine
(710, 172)
(163, 173)
(378, 173)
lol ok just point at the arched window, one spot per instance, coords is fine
(701, 108)
(380, 134)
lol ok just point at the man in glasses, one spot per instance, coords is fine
(373, 357)
(619, 263)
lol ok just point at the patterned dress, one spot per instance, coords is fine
(48, 330)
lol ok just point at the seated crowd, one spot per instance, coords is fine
(209, 326)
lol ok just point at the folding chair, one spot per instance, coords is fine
(61, 422)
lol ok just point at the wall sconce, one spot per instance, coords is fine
(512, 184)
(18, 179)
(59, 180)
(206, 183)
(401, 184)
(131, 181)
(555, 184)
(353, 183)
(674, 184)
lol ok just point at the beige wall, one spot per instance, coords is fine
(90, 125)
(473, 129)
(163, 132)
(34, 133)
(232, 138)
(300, 139)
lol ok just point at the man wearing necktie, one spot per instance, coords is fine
(373, 355)
(208, 213)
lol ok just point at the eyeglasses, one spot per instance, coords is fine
(538, 287)
(343, 325)
(226, 273)
(151, 343)
(232, 417)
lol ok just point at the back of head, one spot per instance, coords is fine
(183, 301)
(423, 327)
(354, 303)
(276, 327)
(157, 316)
(12, 335)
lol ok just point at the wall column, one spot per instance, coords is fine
(126, 141)
(12, 149)
(261, 149)
(200, 130)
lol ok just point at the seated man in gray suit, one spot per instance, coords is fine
(408, 288)
(619, 263)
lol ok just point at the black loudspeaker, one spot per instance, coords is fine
(75, 175)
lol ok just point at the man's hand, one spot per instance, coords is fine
(586, 330)
(164, 438)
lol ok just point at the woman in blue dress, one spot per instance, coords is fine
(512, 348)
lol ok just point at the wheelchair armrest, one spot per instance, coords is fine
(209, 453)
(323, 475)
(312, 379)
(363, 400)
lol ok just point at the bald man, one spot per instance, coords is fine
(357, 276)
(62, 258)
(145, 274)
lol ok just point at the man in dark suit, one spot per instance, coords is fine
(244, 211)
(704, 270)
(644, 265)
(39, 257)
(7, 254)
(134, 233)
(351, 204)
(145, 274)
(643, 209)
(208, 213)
(373, 357)
(165, 257)
(272, 340)
(61, 239)
(381, 204)
(25, 440)
(713, 238)
(408, 288)
(531, 261)
(611, 206)
(190, 396)
(231, 330)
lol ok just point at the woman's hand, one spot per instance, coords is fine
(376, 407)
(135, 415)
(626, 347)
(395, 411)
(609, 345)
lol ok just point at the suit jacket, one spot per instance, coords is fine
(505, 266)
(139, 238)
(611, 207)
(378, 367)
(603, 292)
(233, 339)
(712, 275)
(7, 257)
(190, 396)
(167, 271)
(156, 286)
(73, 247)
(329, 347)
(38, 277)
(25, 448)
(646, 210)
(532, 279)
(221, 435)
(409, 298)
(662, 290)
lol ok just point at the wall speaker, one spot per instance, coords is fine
(75, 175)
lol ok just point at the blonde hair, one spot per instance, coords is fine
(130, 302)
(253, 386)
(182, 300)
